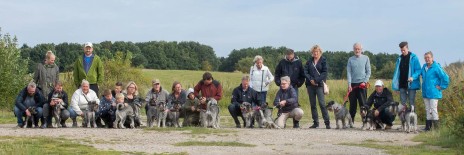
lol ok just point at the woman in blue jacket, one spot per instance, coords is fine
(434, 80)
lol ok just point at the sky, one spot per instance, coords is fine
(225, 25)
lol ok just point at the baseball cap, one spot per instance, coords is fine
(378, 83)
(155, 81)
(88, 44)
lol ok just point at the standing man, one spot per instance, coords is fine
(358, 74)
(242, 94)
(47, 74)
(407, 67)
(89, 67)
(292, 67)
(209, 89)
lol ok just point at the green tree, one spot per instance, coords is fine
(244, 64)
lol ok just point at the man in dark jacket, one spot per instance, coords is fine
(242, 94)
(58, 95)
(292, 67)
(381, 98)
(29, 97)
(287, 102)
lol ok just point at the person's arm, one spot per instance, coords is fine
(57, 78)
(301, 76)
(65, 99)
(148, 97)
(251, 77)
(416, 69)
(348, 72)
(444, 78)
(270, 77)
(388, 102)
(323, 72)
(368, 70)
(197, 89)
(293, 98)
(218, 95)
(235, 96)
(19, 101)
(37, 74)
(307, 71)
(100, 72)
(278, 74)
(74, 103)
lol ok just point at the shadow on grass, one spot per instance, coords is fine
(213, 143)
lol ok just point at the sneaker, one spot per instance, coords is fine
(20, 126)
(315, 125)
(238, 126)
(327, 127)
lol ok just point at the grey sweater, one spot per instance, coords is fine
(358, 69)
(45, 76)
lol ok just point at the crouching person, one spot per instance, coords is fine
(80, 100)
(58, 97)
(29, 103)
(106, 110)
(382, 98)
(192, 110)
(287, 102)
(242, 94)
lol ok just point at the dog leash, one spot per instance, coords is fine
(345, 99)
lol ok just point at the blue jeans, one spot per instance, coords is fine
(72, 113)
(262, 96)
(20, 114)
(406, 94)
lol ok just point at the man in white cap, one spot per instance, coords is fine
(89, 67)
(381, 98)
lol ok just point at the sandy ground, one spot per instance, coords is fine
(267, 141)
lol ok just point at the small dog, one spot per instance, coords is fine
(267, 119)
(367, 117)
(247, 113)
(31, 118)
(408, 118)
(57, 113)
(123, 111)
(173, 115)
(210, 117)
(341, 114)
(89, 114)
(151, 115)
(162, 114)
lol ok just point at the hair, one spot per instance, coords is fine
(85, 82)
(174, 85)
(58, 83)
(429, 53)
(316, 47)
(119, 83)
(107, 92)
(403, 44)
(285, 78)
(119, 96)
(246, 77)
(207, 75)
(49, 55)
(136, 93)
(357, 44)
(258, 57)
(31, 85)
(289, 51)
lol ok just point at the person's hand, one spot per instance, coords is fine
(28, 113)
(82, 114)
(438, 87)
(376, 113)
(282, 103)
(113, 104)
(362, 85)
(410, 79)
(53, 103)
(313, 83)
(192, 108)
(350, 88)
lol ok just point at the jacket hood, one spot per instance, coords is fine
(262, 68)
(296, 58)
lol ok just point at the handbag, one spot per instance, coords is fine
(325, 86)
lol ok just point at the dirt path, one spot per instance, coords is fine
(288, 141)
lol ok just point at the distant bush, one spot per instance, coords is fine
(451, 108)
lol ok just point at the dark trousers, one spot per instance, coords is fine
(357, 96)
(94, 87)
(235, 112)
(48, 113)
(318, 92)
(387, 117)
(107, 116)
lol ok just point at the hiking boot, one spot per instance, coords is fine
(20, 126)
(63, 124)
(315, 125)
(428, 125)
(99, 123)
(238, 126)
(296, 124)
(74, 124)
(327, 125)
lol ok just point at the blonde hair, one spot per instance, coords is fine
(119, 96)
(316, 47)
(136, 93)
(49, 55)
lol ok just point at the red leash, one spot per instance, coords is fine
(345, 99)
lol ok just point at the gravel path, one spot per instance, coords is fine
(287, 141)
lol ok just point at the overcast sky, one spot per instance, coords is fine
(428, 25)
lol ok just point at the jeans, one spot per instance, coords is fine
(406, 94)
(235, 112)
(20, 114)
(48, 113)
(357, 96)
(72, 113)
(262, 96)
(318, 92)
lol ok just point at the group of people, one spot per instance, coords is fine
(46, 90)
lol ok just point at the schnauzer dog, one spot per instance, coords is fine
(173, 115)
(341, 114)
(367, 117)
(31, 118)
(57, 113)
(266, 114)
(151, 115)
(123, 111)
(210, 117)
(408, 118)
(162, 114)
(89, 114)
(247, 113)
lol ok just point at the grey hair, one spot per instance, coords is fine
(429, 53)
(31, 85)
(258, 57)
(246, 77)
(285, 78)
(357, 44)
(85, 82)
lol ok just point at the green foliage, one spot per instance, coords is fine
(12, 70)
(244, 64)
(451, 107)
(206, 66)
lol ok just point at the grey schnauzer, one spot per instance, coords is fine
(341, 114)
(151, 115)
(123, 111)
(367, 117)
(210, 117)
(162, 114)
(89, 114)
(173, 115)
(408, 118)
(267, 118)
(57, 113)
(31, 118)
(247, 113)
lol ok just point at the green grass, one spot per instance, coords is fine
(441, 138)
(191, 130)
(7, 117)
(44, 145)
(220, 143)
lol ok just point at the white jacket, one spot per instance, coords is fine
(78, 101)
(260, 78)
